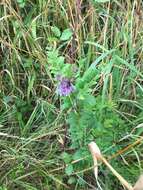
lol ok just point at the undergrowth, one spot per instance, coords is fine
(70, 73)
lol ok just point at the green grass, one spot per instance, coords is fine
(37, 137)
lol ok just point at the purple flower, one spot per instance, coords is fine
(65, 87)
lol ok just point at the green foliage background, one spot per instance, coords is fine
(44, 138)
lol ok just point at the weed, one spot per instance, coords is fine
(70, 73)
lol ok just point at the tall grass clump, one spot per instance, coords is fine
(71, 72)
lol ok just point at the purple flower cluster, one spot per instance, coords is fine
(65, 87)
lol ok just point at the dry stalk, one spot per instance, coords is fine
(96, 154)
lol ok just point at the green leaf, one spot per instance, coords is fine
(21, 3)
(97, 45)
(67, 70)
(90, 100)
(77, 155)
(66, 35)
(3, 188)
(31, 81)
(66, 104)
(106, 70)
(66, 157)
(52, 39)
(81, 181)
(7, 99)
(92, 72)
(128, 65)
(33, 28)
(56, 31)
(72, 180)
(69, 169)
